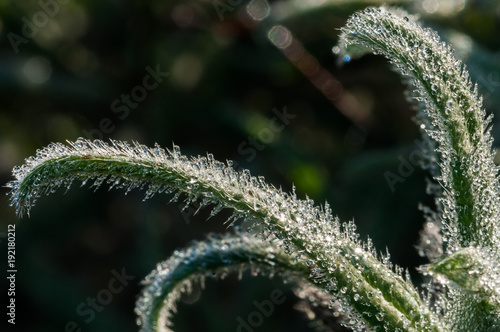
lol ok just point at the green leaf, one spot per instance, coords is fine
(216, 256)
(368, 289)
(470, 206)
(472, 269)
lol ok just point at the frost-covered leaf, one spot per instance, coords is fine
(451, 114)
(476, 270)
(367, 289)
(213, 258)
(470, 206)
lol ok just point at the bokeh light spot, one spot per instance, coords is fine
(187, 70)
(280, 36)
(37, 70)
(258, 9)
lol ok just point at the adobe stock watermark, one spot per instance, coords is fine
(249, 148)
(266, 135)
(188, 210)
(490, 83)
(223, 6)
(39, 20)
(406, 166)
(122, 105)
(263, 309)
(87, 310)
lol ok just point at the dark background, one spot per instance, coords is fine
(225, 79)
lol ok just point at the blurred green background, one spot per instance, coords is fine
(67, 66)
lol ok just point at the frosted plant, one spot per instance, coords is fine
(468, 203)
(215, 257)
(303, 242)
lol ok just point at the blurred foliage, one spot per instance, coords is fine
(225, 85)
